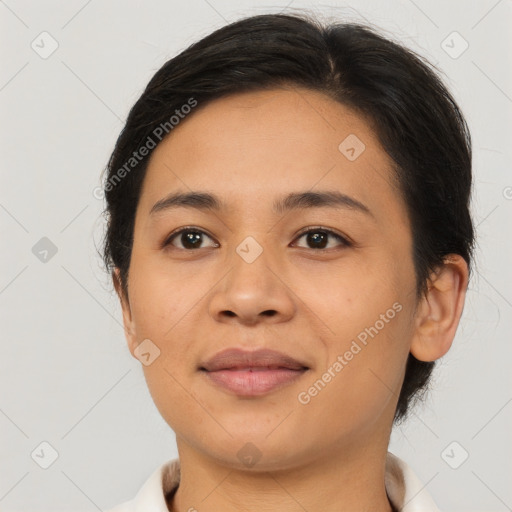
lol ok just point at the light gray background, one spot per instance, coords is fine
(66, 375)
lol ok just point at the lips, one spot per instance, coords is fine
(240, 359)
(252, 373)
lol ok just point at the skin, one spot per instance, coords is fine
(249, 149)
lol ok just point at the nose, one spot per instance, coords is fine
(254, 292)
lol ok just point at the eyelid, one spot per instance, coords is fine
(176, 232)
(345, 241)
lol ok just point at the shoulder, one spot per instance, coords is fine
(404, 488)
(126, 506)
(153, 493)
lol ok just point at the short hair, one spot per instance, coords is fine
(397, 91)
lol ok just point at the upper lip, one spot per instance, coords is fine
(239, 358)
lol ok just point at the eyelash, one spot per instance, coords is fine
(318, 229)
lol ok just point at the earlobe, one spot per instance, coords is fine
(440, 310)
(129, 328)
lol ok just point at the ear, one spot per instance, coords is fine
(440, 310)
(129, 326)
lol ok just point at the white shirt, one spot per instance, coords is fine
(404, 489)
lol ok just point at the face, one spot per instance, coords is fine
(330, 284)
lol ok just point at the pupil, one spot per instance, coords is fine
(190, 239)
(316, 238)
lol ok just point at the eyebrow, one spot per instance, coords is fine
(295, 200)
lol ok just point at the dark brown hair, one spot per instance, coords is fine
(397, 91)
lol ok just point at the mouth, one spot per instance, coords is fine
(252, 373)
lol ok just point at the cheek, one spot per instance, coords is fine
(169, 392)
(161, 297)
(361, 381)
(367, 342)
(349, 295)
(163, 303)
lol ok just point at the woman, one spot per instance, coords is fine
(290, 238)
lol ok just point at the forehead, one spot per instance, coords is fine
(269, 143)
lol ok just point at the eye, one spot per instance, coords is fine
(189, 237)
(319, 238)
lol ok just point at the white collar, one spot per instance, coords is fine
(404, 489)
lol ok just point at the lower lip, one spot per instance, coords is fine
(254, 382)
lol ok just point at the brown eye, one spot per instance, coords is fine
(318, 238)
(189, 238)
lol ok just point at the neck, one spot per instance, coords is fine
(339, 481)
